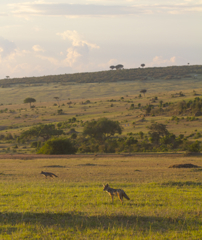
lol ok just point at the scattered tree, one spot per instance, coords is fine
(60, 111)
(45, 131)
(112, 67)
(157, 130)
(57, 99)
(142, 65)
(119, 66)
(29, 100)
(143, 91)
(102, 128)
(160, 103)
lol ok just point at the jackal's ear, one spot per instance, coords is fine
(103, 185)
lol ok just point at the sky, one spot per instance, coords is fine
(48, 37)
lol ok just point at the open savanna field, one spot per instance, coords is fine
(92, 101)
(165, 203)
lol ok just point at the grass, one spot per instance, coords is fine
(46, 93)
(165, 203)
(44, 112)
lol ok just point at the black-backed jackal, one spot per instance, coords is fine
(48, 174)
(115, 192)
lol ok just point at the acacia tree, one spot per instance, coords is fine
(142, 65)
(45, 131)
(119, 66)
(157, 130)
(29, 100)
(102, 128)
(57, 99)
(143, 91)
(112, 67)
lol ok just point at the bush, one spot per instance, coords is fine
(57, 146)
(194, 147)
(74, 136)
(60, 112)
(33, 144)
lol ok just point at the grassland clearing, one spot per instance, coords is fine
(165, 203)
(16, 118)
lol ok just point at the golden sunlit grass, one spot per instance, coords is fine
(46, 112)
(165, 202)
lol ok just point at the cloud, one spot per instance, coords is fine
(7, 47)
(71, 57)
(79, 51)
(64, 9)
(38, 48)
(76, 40)
(159, 61)
(17, 62)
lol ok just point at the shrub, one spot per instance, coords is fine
(132, 106)
(33, 144)
(74, 136)
(60, 112)
(194, 147)
(57, 146)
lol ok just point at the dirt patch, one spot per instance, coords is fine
(186, 165)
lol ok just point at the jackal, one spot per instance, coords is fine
(115, 192)
(46, 174)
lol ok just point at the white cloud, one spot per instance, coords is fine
(79, 50)
(17, 62)
(71, 57)
(159, 61)
(38, 48)
(76, 40)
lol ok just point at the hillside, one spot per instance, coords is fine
(165, 73)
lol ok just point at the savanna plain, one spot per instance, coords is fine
(165, 202)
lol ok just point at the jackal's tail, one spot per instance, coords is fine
(125, 195)
(54, 175)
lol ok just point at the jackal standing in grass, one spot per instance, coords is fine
(46, 174)
(115, 192)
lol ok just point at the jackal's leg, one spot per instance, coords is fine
(120, 198)
(111, 197)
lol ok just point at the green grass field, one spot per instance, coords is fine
(165, 202)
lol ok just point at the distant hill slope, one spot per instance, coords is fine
(173, 72)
